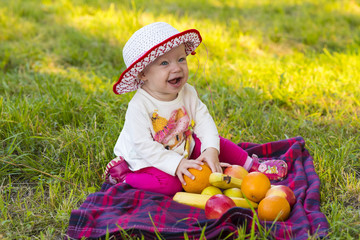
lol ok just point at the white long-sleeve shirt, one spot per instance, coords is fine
(156, 133)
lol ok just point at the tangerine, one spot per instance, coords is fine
(200, 182)
(273, 207)
(255, 185)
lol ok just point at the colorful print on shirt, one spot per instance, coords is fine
(173, 132)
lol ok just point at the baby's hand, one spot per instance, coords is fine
(183, 167)
(211, 156)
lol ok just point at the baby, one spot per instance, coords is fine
(167, 128)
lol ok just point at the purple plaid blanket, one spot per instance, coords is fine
(120, 209)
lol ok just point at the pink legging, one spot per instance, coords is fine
(155, 180)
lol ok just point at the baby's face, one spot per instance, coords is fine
(164, 78)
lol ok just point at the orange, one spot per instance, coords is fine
(200, 182)
(273, 207)
(255, 185)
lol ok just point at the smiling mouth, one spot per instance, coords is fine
(175, 80)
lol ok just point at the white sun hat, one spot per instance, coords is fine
(147, 44)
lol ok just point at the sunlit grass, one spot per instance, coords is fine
(267, 70)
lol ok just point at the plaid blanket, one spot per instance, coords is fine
(124, 212)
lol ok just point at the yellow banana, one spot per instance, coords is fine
(191, 199)
(199, 200)
(224, 181)
(244, 203)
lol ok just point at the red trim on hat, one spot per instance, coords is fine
(152, 49)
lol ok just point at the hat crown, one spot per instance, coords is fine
(147, 44)
(146, 38)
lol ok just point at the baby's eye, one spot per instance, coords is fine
(164, 63)
(182, 59)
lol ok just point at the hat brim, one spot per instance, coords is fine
(128, 80)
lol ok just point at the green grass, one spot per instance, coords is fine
(275, 70)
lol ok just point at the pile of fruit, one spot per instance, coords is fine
(218, 192)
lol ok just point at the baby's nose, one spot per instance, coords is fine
(176, 67)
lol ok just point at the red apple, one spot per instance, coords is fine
(282, 191)
(236, 171)
(217, 205)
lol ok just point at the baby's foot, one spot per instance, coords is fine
(116, 170)
(273, 169)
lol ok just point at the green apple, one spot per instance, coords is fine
(233, 192)
(211, 190)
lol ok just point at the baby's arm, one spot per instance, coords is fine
(205, 129)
